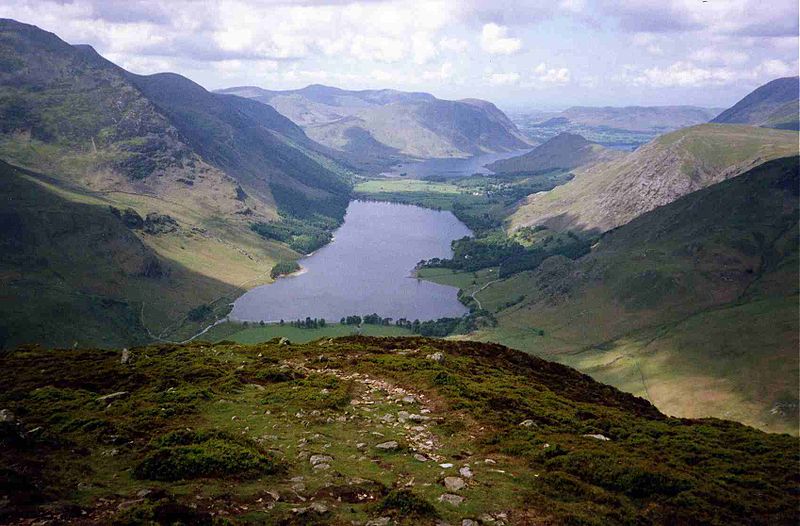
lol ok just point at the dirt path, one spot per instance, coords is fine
(481, 289)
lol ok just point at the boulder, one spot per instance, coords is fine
(126, 356)
(453, 500)
(388, 446)
(454, 483)
(437, 357)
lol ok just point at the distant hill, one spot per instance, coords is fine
(692, 305)
(607, 195)
(214, 164)
(564, 151)
(639, 118)
(773, 105)
(379, 127)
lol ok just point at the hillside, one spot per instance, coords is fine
(607, 195)
(379, 127)
(693, 305)
(639, 118)
(215, 165)
(773, 105)
(364, 430)
(564, 151)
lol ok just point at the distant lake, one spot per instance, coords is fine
(451, 167)
(366, 268)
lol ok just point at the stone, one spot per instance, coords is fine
(317, 459)
(7, 416)
(453, 500)
(319, 507)
(468, 522)
(382, 521)
(402, 416)
(454, 483)
(418, 418)
(126, 357)
(437, 357)
(322, 466)
(421, 458)
(465, 472)
(598, 437)
(409, 399)
(527, 423)
(490, 461)
(388, 418)
(284, 341)
(112, 396)
(388, 446)
(446, 465)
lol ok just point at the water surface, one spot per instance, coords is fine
(451, 167)
(366, 268)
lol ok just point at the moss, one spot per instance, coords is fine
(406, 504)
(189, 454)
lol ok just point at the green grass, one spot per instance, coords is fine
(405, 185)
(214, 429)
(255, 333)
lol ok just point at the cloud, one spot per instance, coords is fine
(503, 79)
(455, 45)
(445, 72)
(715, 56)
(494, 40)
(551, 76)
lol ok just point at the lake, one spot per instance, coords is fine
(368, 267)
(451, 167)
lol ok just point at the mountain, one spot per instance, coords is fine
(607, 195)
(217, 166)
(380, 127)
(692, 305)
(367, 430)
(773, 105)
(564, 151)
(639, 118)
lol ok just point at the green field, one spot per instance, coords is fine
(405, 185)
(255, 333)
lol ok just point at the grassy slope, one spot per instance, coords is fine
(227, 431)
(693, 305)
(607, 195)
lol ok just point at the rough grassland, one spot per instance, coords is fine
(344, 431)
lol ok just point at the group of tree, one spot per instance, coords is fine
(308, 323)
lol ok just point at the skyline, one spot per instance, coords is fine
(517, 55)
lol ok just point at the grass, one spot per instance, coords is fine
(255, 333)
(230, 431)
(405, 185)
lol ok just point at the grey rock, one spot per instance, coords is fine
(437, 357)
(453, 500)
(388, 446)
(454, 483)
(284, 341)
(382, 521)
(317, 459)
(468, 522)
(465, 472)
(421, 458)
(598, 437)
(7, 416)
(126, 356)
(112, 396)
(527, 423)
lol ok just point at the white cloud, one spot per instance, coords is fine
(456, 45)
(776, 68)
(445, 72)
(719, 56)
(550, 76)
(503, 79)
(494, 40)
(683, 74)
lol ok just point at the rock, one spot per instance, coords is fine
(274, 494)
(454, 483)
(402, 416)
(421, 458)
(490, 461)
(156, 223)
(465, 472)
(453, 500)
(284, 341)
(388, 418)
(382, 521)
(437, 357)
(446, 465)
(598, 437)
(7, 416)
(317, 459)
(527, 423)
(418, 418)
(408, 399)
(468, 522)
(112, 396)
(322, 466)
(388, 446)
(126, 356)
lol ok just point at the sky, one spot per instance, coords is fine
(518, 54)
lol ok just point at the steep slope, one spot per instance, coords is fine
(564, 151)
(607, 195)
(773, 105)
(216, 164)
(364, 430)
(693, 305)
(394, 125)
(74, 269)
(639, 118)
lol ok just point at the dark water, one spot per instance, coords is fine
(367, 268)
(451, 167)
